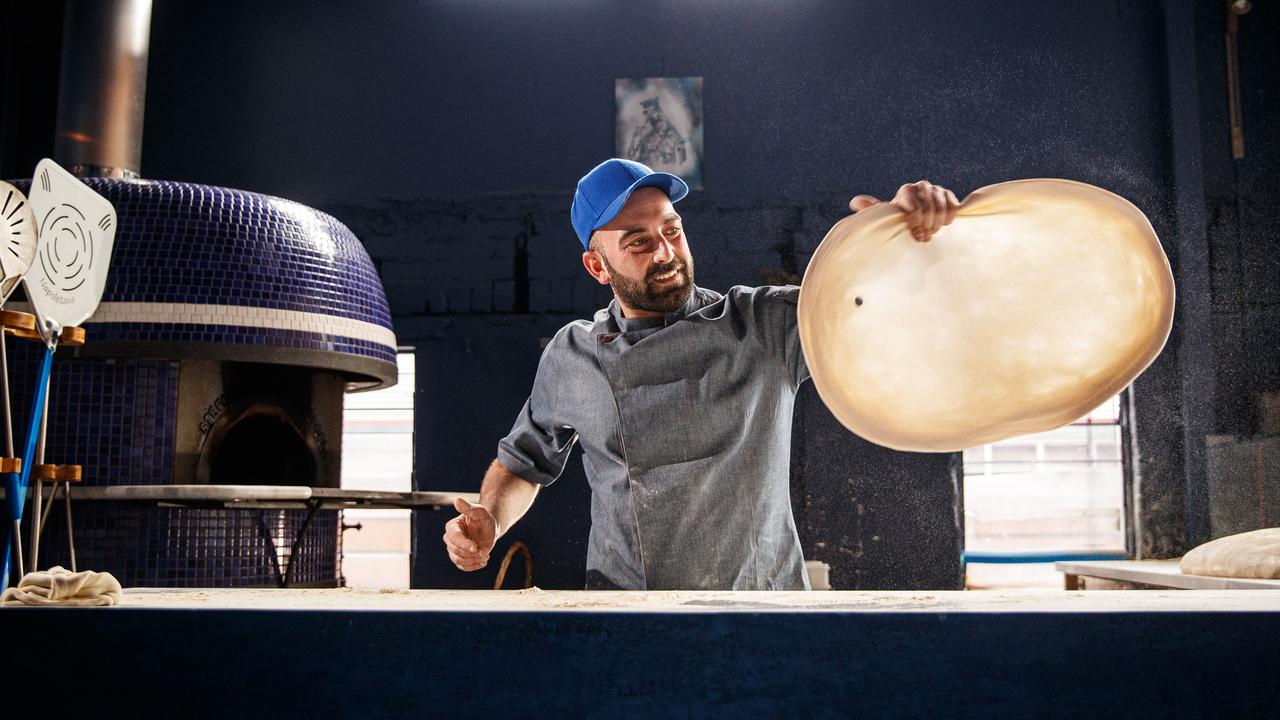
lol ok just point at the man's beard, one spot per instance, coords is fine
(649, 296)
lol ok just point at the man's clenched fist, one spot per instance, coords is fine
(470, 536)
(928, 207)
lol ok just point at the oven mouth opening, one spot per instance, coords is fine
(261, 444)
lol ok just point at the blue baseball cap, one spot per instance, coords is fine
(602, 192)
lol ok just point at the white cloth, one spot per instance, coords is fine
(60, 586)
(1254, 554)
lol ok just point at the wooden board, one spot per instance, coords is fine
(1161, 573)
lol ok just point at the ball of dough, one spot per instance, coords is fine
(1041, 300)
(1254, 554)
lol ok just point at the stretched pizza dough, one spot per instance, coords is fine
(1042, 299)
(1254, 554)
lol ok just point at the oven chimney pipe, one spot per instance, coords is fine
(103, 87)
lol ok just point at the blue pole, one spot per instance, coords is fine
(15, 485)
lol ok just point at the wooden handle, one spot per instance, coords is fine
(13, 321)
(71, 336)
(57, 473)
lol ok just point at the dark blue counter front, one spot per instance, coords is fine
(736, 657)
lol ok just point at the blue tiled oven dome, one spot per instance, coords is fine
(217, 273)
(231, 326)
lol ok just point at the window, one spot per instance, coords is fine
(1054, 493)
(377, 454)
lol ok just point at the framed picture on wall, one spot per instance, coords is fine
(659, 123)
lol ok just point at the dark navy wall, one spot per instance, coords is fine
(448, 135)
(1227, 336)
(328, 101)
(1242, 223)
(395, 107)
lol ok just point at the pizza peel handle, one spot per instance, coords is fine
(15, 484)
(17, 249)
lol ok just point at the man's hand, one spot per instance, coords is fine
(928, 207)
(470, 536)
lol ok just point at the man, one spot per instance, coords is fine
(681, 398)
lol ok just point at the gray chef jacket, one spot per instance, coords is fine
(685, 424)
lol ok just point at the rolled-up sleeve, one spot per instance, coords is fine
(538, 446)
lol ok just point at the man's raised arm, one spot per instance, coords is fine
(504, 498)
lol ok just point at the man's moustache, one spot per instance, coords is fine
(677, 265)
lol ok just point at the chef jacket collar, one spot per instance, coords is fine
(619, 323)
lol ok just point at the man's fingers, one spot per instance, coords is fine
(476, 513)
(906, 201)
(465, 559)
(468, 564)
(918, 219)
(454, 537)
(862, 202)
(454, 541)
(462, 558)
(953, 206)
(928, 211)
(940, 209)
